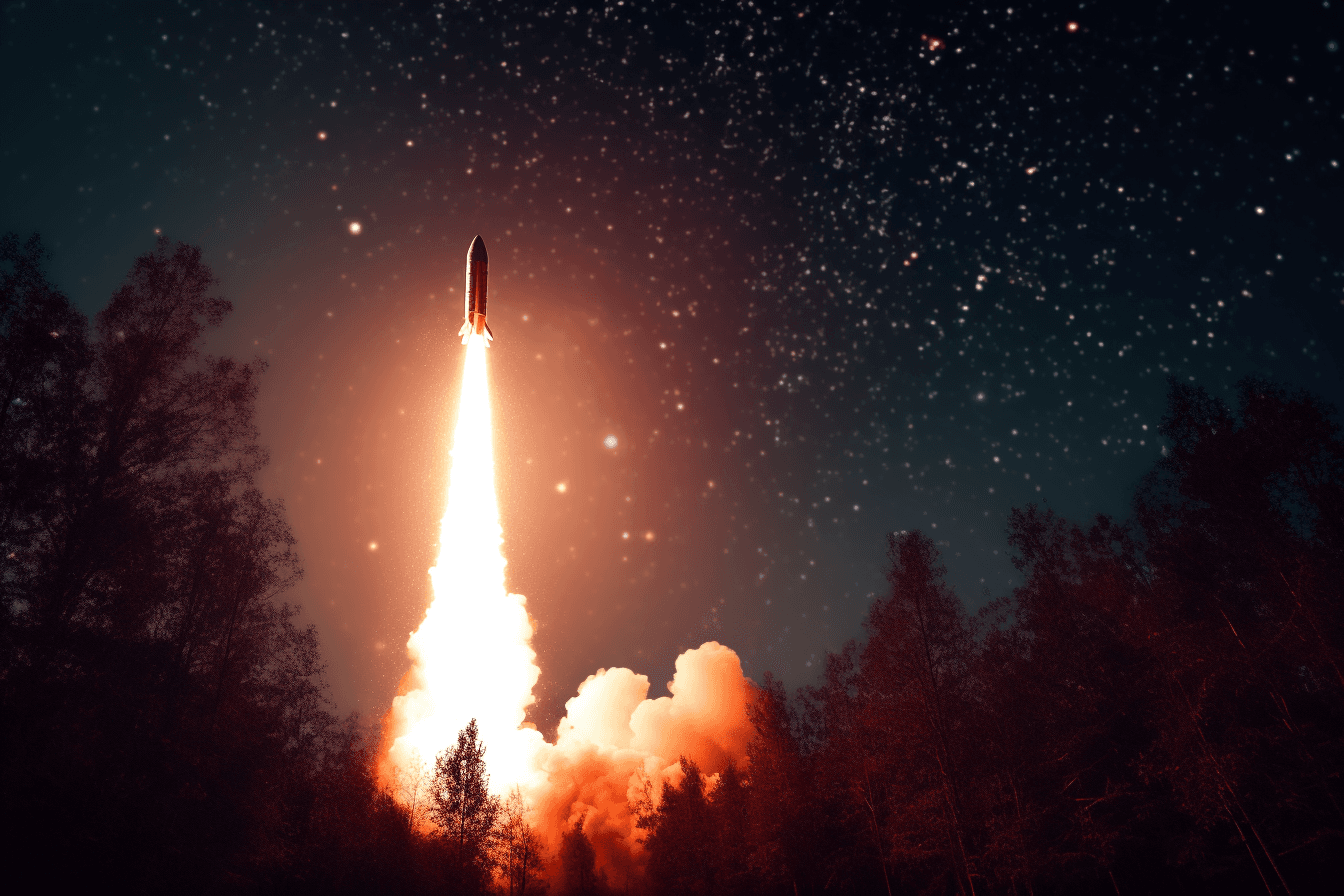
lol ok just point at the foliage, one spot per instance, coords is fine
(466, 813)
(519, 849)
(579, 874)
(1158, 707)
(162, 717)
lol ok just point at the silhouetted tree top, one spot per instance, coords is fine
(42, 338)
(579, 875)
(467, 814)
(166, 404)
(1274, 466)
(44, 356)
(159, 706)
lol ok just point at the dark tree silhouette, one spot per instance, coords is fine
(1067, 695)
(783, 826)
(729, 832)
(162, 718)
(853, 768)
(917, 665)
(579, 874)
(697, 838)
(520, 852)
(1242, 519)
(44, 360)
(679, 839)
(465, 811)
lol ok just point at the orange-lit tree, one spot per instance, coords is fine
(520, 852)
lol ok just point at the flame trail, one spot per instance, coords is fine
(471, 656)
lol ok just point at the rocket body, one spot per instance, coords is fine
(474, 302)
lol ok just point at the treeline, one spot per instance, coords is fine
(163, 719)
(1159, 707)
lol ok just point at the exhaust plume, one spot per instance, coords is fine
(471, 657)
(613, 739)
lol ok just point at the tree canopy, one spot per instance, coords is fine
(163, 718)
(1158, 707)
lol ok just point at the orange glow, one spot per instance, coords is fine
(615, 739)
(471, 656)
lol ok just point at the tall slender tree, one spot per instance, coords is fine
(520, 850)
(915, 669)
(465, 811)
(782, 823)
(1066, 689)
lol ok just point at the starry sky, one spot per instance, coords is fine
(767, 281)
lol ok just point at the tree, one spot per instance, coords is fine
(578, 863)
(410, 787)
(1180, 673)
(337, 833)
(164, 426)
(1067, 696)
(680, 836)
(915, 673)
(1242, 522)
(162, 713)
(854, 769)
(520, 853)
(697, 839)
(729, 832)
(465, 811)
(44, 360)
(783, 826)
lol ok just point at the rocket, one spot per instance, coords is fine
(474, 307)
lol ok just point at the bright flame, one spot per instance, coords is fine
(471, 656)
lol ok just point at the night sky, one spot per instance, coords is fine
(767, 281)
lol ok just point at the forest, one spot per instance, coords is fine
(1158, 707)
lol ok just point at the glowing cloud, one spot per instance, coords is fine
(614, 739)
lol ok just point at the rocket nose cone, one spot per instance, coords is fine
(477, 250)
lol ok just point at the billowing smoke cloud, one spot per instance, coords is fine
(614, 739)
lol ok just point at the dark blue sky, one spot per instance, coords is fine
(824, 272)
